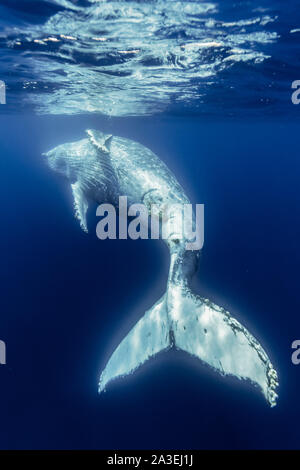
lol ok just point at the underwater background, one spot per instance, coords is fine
(207, 87)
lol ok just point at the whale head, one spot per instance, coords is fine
(61, 160)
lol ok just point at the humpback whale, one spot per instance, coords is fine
(102, 168)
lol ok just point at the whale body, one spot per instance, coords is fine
(102, 168)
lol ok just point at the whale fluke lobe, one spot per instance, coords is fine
(149, 336)
(102, 168)
(200, 328)
(211, 334)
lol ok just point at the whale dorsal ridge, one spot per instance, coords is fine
(100, 140)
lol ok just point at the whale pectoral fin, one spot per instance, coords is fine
(100, 140)
(80, 205)
(208, 332)
(150, 335)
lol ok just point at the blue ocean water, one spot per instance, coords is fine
(206, 86)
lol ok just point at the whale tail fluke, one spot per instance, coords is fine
(211, 334)
(200, 328)
(150, 335)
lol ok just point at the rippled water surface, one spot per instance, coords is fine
(123, 58)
